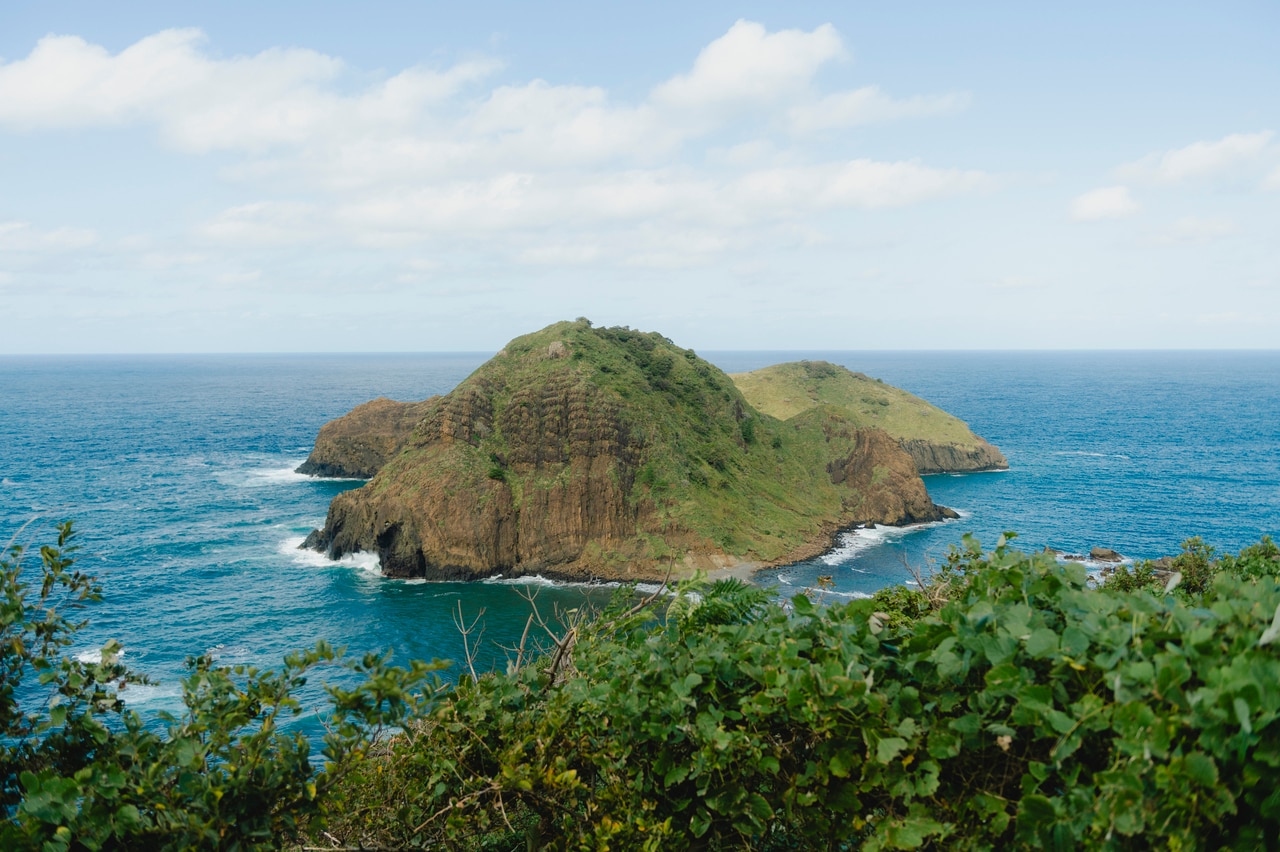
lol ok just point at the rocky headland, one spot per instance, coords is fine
(935, 440)
(357, 444)
(605, 453)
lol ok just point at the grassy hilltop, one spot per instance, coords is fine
(936, 440)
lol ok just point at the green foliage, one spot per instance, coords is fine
(78, 770)
(1029, 710)
(1007, 703)
(1190, 574)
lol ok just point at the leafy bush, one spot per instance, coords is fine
(78, 770)
(1030, 710)
(1009, 704)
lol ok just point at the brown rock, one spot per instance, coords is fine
(361, 441)
(932, 457)
(884, 487)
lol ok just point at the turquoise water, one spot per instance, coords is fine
(178, 473)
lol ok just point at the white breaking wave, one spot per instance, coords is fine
(169, 695)
(264, 476)
(92, 656)
(852, 542)
(363, 560)
(857, 596)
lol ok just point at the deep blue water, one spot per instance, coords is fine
(178, 473)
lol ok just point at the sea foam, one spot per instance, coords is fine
(363, 560)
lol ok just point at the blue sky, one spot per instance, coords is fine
(245, 177)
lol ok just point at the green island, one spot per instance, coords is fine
(1008, 702)
(580, 452)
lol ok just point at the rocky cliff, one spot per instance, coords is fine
(580, 452)
(360, 442)
(935, 440)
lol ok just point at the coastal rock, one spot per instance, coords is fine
(357, 444)
(938, 457)
(935, 440)
(1105, 554)
(585, 453)
(884, 483)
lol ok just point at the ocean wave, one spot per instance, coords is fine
(545, 582)
(856, 596)
(164, 695)
(852, 542)
(1091, 455)
(93, 656)
(364, 560)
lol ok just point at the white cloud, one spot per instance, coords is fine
(1224, 157)
(1273, 180)
(1190, 230)
(266, 223)
(869, 105)
(427, 157)
(1108, 202)
(749, 66)
(21, 237)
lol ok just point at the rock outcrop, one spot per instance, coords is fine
(579, 452)
(357, 444)
(937, 457)
(935, 440)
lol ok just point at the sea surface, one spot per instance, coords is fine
(178, 473)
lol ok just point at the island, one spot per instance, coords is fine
(587, 453)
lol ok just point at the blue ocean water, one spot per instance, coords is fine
(178, 472)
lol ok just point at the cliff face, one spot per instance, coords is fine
(361, 441)
(937, 441)
(931, 457)
(882, 484)
(579, 452)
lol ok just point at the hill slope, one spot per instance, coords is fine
(937, 441)
(611, 453)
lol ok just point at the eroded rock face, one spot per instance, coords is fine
(357, 444)
(446, 510)
(884, 487)
(933, 457)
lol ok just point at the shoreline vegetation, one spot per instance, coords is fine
(1011, 701)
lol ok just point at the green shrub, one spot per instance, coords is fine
(1030, 710)
(78, 770)
(1008, 704)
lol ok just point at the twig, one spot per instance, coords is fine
(459, 621)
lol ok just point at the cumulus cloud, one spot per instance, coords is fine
(869, 105)
(749, 66)
(1108, 202)
(1230, 155)
(22, 237)
(440, 154)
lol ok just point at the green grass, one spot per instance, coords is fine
(788, 390)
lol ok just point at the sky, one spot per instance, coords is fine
(418, 176)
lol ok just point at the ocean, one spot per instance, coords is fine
(178, 474)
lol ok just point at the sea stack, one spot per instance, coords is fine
(606, 453)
